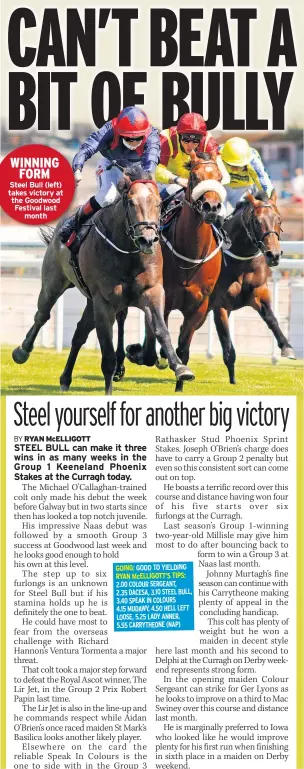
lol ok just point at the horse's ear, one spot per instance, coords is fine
(252, 199)
(274, 197)
(123, 183)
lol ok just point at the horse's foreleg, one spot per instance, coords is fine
(192, 321)
(144, 354)
(190, 324)
(54, 284)
(152, 302)
(104, 315)
(260, 301)
(83, 328)
(221, 321)
(120, 350)
(149, 345)
(162, 362)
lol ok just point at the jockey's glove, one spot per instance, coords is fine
(181, 181)
(77, 176)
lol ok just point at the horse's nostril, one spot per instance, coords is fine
(146, 242)
(273, 258)
(206, 206)
(219, 206)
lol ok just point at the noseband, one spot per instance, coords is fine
(198, 205)
(131, 227)
(249, 228)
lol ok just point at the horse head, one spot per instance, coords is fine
(264, 224)
(141, 201)
(205, 193)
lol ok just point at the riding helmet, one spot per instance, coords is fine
(132, 121)
(236, 152)
(191, 123)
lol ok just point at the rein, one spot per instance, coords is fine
(197, 206)
(197, 262)
(131, 229)
(110, 242)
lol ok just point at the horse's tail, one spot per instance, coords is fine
(46, 234)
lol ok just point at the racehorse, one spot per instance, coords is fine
(192, 258)
(123, 271)
(254, 230)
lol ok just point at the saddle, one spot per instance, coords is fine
(171, 208)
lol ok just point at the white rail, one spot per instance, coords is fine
(10, 240)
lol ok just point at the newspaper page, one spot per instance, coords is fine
(151, 565)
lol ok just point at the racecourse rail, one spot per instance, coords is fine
(15, 239)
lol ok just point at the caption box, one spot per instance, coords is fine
(153, 596)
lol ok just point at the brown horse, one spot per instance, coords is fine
(254, 230)
(121, 263)
(192, 258)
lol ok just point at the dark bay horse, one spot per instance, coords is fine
(192, 258)
(121, 264)
(254, 230)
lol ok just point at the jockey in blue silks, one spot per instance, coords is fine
(128, 138)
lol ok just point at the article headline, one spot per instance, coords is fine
(67, 39)
(216, 414)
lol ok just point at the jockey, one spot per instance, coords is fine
(176, 144)
(128, 138)
(245, 168)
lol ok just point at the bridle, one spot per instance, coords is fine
(257, 240)
(132, 226)
(200, 205)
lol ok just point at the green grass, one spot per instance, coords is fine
(255, 376)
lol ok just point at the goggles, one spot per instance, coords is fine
(190, 138)
(133, 139)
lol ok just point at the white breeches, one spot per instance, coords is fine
(106, 182)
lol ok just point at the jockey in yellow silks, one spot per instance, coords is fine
(176, 144)
(245, 168)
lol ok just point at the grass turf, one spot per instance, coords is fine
(255, 376)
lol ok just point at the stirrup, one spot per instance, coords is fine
(69, 226)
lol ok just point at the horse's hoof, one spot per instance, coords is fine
(119, 373)
(134, 349)
(161, 363)
(64, 387)
(20, 355)
(134, 353)
(288, 352)
(183, 374)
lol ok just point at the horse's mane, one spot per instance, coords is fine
(261, 195)
(135, 172)
(201, 155)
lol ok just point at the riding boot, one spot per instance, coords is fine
(69, 230)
